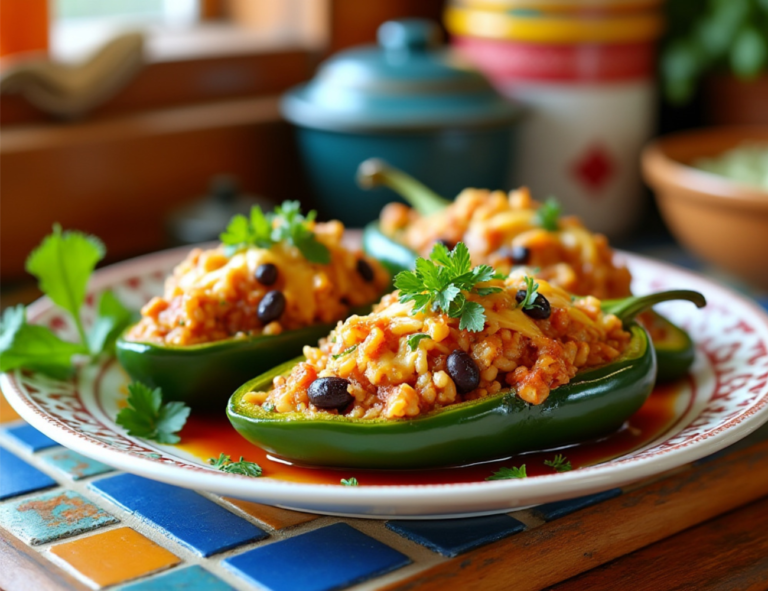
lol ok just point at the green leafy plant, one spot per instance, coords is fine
(63, 264)
(146, 416)
(349, 481)
(242, 467)
(509, 473)
(711, 35)
(286, 224)
(440, 282)
(559, 464)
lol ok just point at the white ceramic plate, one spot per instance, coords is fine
(727, 398)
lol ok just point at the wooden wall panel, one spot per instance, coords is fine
(119, 178)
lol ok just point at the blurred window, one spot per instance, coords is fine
(79, 26)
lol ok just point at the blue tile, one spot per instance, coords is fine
(451, 537)
(328, 558)
(17, 477)
(187, 517)
(559, 509)
(193, 578)
(74, 465)
(30, 438)
(52, 516)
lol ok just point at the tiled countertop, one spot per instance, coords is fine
(107, 528)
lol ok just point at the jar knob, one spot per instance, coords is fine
(411, 34)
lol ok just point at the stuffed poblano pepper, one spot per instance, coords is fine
(509, 231)
(276, 283)
(457, 366)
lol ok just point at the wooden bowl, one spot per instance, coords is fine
(724, 222)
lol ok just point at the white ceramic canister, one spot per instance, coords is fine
(587, 78)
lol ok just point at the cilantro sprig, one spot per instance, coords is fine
(146, 416)
(548, 214)
(63, 264)
(531, 293)
(350, 481)
(509, 473)
(286, 224)
(242, 467)
(559, 464)
(441, 282)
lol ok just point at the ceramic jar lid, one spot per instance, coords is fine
(409, 82)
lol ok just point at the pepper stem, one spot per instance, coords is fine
(627, 308)
(374, 172)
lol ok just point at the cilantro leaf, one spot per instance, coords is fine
(531, 293)
(415, 339)
(261, 227)
(484, 291)
(548, 214)
(444, 297)
(242, 232)
(345, 352)
(291, 226)
(472, 317)
(34, 347)
(440, 283)
(146, 416)
(350, 481)
(285, 224)
(112, 318)
(242, 467)
(508, 473)
(62, 264)
(408, 281)
(559, 464)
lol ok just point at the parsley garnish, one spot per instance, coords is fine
(286, 224)
(345, 352)
(507, 473)
(438, 283)
(531, 293)
(62, 263)
(548, 215)
(415, 339)
(34, 347)
(146, 416)
(242, 467)
(268, 407)
(349, 481)
(559, 464)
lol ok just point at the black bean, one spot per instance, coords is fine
(329, 393)
(447, 243)
(365, 270)
(539, 309)
(518, 255)
(463, 371)
(266, 274)
(271, 306)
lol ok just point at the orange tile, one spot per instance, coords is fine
(114, 556)
(272, 516)
(7, 414)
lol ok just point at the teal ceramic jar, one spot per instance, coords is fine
(409, 101)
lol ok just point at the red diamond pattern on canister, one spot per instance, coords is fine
(594, 168)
